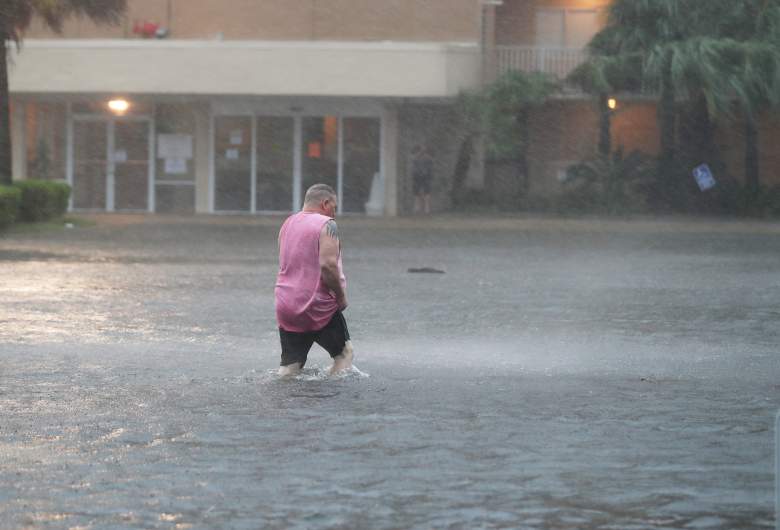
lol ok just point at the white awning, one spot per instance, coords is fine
(382, 69)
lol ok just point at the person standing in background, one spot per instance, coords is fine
(422, 179)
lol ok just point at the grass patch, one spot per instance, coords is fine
(53, 225)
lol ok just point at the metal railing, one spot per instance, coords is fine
(556, 61)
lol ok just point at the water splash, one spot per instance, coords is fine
(352, 373)
(322, 373)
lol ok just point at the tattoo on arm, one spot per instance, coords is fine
(331, 229)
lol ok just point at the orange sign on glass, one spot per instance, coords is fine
(314, 150)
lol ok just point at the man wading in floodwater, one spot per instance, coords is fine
(311, 287)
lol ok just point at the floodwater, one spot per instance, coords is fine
(559, 375)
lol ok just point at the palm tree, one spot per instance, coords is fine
(501, 112)
(712, 54)
(639, 35)
(15, 18)
(731, 64)
(647, 31)
(755, 31)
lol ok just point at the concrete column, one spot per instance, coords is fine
(202, 159)
(18, 143)
(389, 148)
(488, 40)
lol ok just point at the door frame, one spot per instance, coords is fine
(110, 122)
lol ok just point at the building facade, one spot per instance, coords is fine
(237, 106)
(551, 36)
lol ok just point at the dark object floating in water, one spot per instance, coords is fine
(315, 395)
(429, 270)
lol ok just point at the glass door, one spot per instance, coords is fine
(320, 153)
(131, 165)
(111, 163)
(362, 183)
(274, 144)
(233, 163)
(266, 163)
(90, 164)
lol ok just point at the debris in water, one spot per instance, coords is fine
(429, 270)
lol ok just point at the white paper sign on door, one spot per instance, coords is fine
(174, 146)
(231, 154)
(175, 166)
(120, 155)
(236, 137)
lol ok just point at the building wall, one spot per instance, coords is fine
(567, 131)
(44, 141)
(516, 19)
(564, 132)
(634, 126)
(731, 144)
(361, 20)
(769, 139)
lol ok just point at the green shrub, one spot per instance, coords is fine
(772, 201)
(607, 184)
(42, 200)
(9, 205)
(731, 197)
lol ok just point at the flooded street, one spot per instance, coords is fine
(559, 375)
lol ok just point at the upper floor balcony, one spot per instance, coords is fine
(556, 61)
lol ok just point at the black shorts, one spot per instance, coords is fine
(296, 346)
(422, 185)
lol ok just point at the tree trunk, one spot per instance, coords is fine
(605, 126)
(5, 115)
(752, 175)
(668, 189)
(461, 170)
(524, 135)
(698, 135)
(666, 122)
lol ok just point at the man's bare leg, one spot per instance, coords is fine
(344, 361)
(290, 370)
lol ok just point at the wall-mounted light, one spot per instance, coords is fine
(612, 103)
(118, 106)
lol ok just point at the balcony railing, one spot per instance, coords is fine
(558, 62)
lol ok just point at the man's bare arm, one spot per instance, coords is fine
(329, 261)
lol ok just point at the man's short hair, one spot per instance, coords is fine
(319, 192)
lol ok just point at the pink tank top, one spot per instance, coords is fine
(303, 301)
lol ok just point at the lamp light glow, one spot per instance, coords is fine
(118, 106)
(612, 103)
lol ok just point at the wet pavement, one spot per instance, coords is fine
(561, 374)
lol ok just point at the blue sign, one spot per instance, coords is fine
(704, 177)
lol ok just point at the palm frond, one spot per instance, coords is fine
(17, 15)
